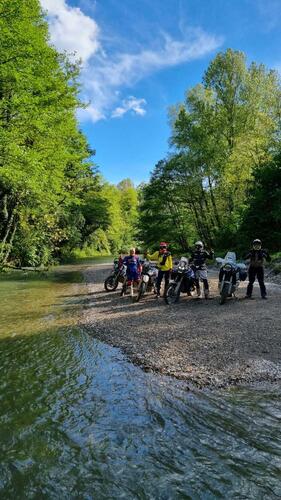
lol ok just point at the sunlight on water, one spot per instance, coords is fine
(78, 421)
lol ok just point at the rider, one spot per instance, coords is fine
(257, 256)
(198, 263)
(133, 264)
(165, 264)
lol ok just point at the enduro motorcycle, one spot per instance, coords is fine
(117, 275)
(148, 279)
(183, 280)
(231, 273)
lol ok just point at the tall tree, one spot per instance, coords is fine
(45, 167)
(227, 128)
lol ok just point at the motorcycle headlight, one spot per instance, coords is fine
(227, 267)
(145, 278)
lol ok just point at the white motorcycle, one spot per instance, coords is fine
(231, 273)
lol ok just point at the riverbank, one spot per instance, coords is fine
(198, 341)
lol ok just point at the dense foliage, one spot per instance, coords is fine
(52, 200)
(222, 183)
(217, 183)
(264, 208)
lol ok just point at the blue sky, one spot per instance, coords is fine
(140, 56)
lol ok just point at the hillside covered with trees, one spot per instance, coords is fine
(52, 199)
(222, 181)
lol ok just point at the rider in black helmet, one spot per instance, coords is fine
(257, 256)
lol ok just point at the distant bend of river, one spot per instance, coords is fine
(77, 420)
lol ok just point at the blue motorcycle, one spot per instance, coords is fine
(183, 281)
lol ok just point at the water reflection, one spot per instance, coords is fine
(78, 421)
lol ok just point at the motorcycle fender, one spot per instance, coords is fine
(229, 285)
(178, 287)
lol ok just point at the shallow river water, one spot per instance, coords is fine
(78, 421)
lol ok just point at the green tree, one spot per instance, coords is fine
(262, 218)
(228, 126)
(46, 172)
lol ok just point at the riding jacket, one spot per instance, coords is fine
(133, 264)
(198, 258)
(257, 257)
(164, 260)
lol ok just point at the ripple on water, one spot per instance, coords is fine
(77, 420)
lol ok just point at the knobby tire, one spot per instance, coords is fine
(111, 283)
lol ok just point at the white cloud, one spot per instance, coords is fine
(71, 29)
(131, 104)
(105, 75)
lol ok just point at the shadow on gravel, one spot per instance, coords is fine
(195, 339)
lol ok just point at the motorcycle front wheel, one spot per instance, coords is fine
(224, 293)
(141, 291)
(111, 283)
(172, 294)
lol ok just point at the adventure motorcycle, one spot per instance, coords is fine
(231, 273)
(148, 279)
(117, 275)
(183, 280)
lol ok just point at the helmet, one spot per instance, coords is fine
(257, 242)
(199, 244)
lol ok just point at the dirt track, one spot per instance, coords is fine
(197, 340)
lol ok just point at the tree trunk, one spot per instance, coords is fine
(10, 243)
(217, 217)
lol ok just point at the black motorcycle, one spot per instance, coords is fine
(183, 281)
(148, 279)
(117, 275)
(231, 273)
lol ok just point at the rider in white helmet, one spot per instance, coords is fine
(198, 260)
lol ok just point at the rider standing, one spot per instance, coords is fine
(257, 256)
(133, 264)
(198, 263)
(164, 264)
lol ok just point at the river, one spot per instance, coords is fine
(77, 420)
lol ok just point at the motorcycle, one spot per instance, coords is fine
(183, 280)
(148, 279)
(117, 275)
(231, 273)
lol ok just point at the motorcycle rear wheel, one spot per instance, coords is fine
(172, 295)
(111, 283)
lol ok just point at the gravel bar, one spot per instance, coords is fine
(197, 340)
